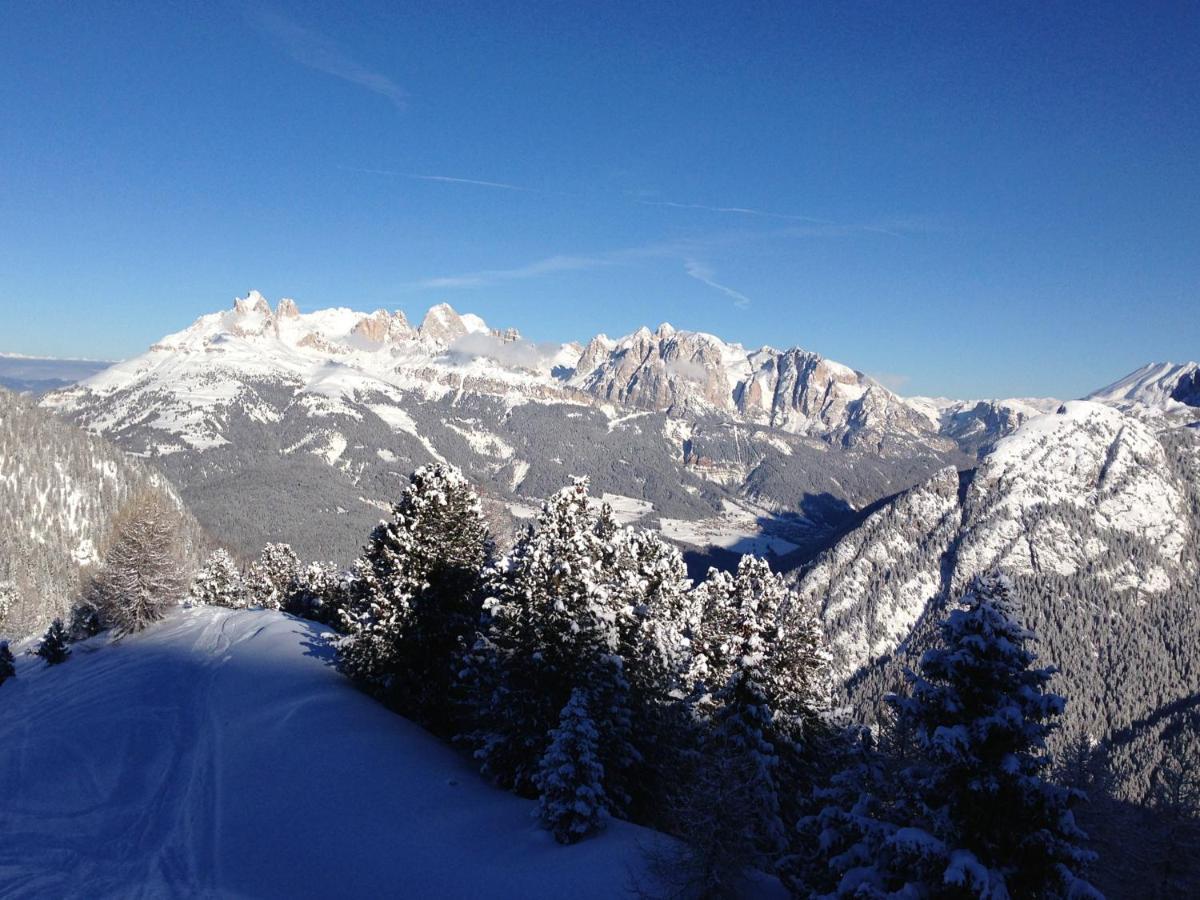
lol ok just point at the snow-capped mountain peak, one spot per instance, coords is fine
(1156, 387)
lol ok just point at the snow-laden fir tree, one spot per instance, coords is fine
(219, 582)
(570, 778)
(7, 665)
(970, 812)
(321, 593)
(550, 625)
(86, 620)
(54, 647)
(765, 689)
(657, 618)
(272, 577)
(8, 601)
(415, 598)
(142, 570)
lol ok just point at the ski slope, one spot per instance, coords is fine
(219, 754)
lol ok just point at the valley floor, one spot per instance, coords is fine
(219, 754)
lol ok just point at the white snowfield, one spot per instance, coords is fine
(218, 754)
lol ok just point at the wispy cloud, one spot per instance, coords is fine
(547, 266)
(704, 274)
(445, 179)
(734, 210)
(313, 49)
(474, 181)
(893, 381)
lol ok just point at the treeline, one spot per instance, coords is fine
(585, 670)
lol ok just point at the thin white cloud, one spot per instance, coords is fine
(475, 181)
(893, 381)
(313, 49)
(704, 274)
(735, 210)
(445, 179)
(546, 266)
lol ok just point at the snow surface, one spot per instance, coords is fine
(1149, 387)
(220, 754)
(737, 529)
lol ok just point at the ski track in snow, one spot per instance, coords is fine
(219, 754)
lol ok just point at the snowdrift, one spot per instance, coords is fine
(219, 754)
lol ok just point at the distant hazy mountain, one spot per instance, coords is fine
(37, 375)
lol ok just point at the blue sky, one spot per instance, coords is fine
(961, 199)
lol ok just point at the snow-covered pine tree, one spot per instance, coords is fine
(86, 620)
(969, 813)
(756, 725)
(656, 621)
(416, 596)
(54, 647)
(272, 577)
(570, 777)
(7, 665)
(219, 582)
(549, 626)
(321, 593)
(141, 574)
(8, 600)
(981, 714)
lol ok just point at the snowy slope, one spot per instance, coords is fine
(219, 754)
(1087, 491)
(1156, 388)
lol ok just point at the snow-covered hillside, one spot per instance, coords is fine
(218, 754)
(60, 487)
(1161, 389)
(1095, 514)
(1086, 490)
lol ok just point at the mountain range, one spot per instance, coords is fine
(277, 425)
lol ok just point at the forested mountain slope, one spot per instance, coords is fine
(60, 487)
(1095, 515)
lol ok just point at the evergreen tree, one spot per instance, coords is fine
(7, 665)
(570, 778)
(550, 625)
(320, 593)
(758, 726)
(8, 600)
(54, 647)
(86, 621)
(219, 582)
(272, 577)
(141, 573)
(416, 596)
(970, 813)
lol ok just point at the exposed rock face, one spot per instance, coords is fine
(664, 371)
(287, 309)
(442, 325)
(688, 373)
(382, 327)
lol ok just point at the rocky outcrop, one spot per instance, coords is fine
(442, 325)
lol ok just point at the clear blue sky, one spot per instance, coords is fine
(961, 198)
